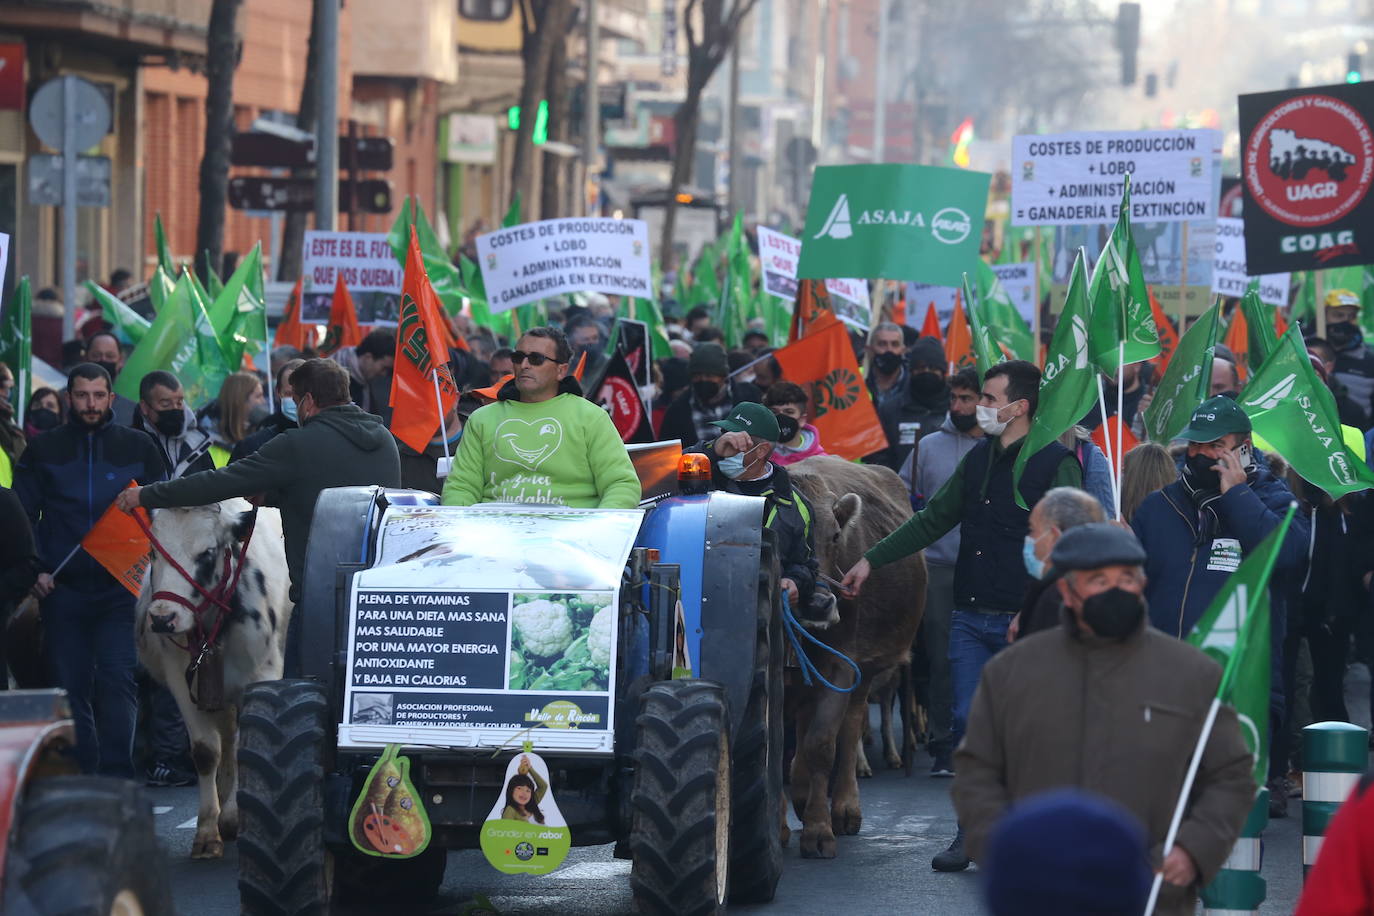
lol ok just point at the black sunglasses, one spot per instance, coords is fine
(535, 359)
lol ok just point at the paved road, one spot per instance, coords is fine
(884, 869)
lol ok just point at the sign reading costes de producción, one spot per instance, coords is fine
(1229, 276)
(1077, 178)
(893, 221)
(533, 261)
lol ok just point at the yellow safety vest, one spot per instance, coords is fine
(6, 470)
(219, 455)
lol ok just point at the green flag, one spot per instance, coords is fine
(239, 314)
(126, 324)
(164, 253)
(1187, 382)
(1296, 414)
(16, 343)
(705, 289)
(1259, 327)
(1121, 312)
(1068, 387)
(213, 284)
(1305, 303)
(1001, 317)
(200, 362)
(986, 353)
(893, 221)
(1360, 281)
(735, 302)
(166, 335)
(1234, 630)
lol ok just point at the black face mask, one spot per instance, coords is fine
(1198, 468)
(887, 363)
(1343, 334)
(1113, 614)
(963, 421)
(111, 368)
(927, 384)
(705, 391)
(171, 423)
(42, 419)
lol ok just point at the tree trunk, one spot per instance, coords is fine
(221, 57)
(289, 259)
(556, 91)
(537, 43)
(686, 118)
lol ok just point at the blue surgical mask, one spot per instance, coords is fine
(288, 409)
(1034, 565)
(732, 467)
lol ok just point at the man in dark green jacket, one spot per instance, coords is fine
(336, 445)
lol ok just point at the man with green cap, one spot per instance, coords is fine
(739, 464)
(1198, 528)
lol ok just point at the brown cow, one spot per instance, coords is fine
(853, 506)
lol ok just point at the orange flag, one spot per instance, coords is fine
(813, 303)
(119, 544)
(291, 333)
(931, 328)
(1128, 440)
(1168, 336)
(580, 368)
(1238, 340)
(823, 363)
(422, 345)
(343, 330)
(959, 339)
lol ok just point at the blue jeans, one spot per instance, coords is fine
(88, 638)
(974, 637)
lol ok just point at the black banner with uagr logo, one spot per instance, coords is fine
(1307, 164)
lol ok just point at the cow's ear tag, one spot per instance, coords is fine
(525, 834)
(389, 819)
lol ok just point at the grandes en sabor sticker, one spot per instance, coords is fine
(1310, 160)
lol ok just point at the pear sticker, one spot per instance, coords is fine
(388, 819)
(525, 834)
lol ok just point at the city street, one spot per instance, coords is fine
(886, 869)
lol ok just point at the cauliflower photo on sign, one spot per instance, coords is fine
(561, 641)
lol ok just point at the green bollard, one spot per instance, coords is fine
(1334, 757)
(1238, 889)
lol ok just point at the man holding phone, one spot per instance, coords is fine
(1196, 530)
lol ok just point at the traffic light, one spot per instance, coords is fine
(1128, 39)
(541, 121)
(1352, 67)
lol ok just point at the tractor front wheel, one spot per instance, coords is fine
(680, 836)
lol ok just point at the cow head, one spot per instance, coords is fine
(198, 539)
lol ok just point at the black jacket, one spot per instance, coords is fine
(906, 420)
(678, 422)
(68, 477)
(340, 446)
(18, 555)
(269, 429)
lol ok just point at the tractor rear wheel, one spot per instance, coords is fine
(756, 861)
(680, 836)
(282, 858)
(85, 845)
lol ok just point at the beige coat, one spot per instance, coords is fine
(1119, 719)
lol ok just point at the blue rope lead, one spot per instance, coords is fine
(791, 626)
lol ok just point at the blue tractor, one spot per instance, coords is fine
(684, 774)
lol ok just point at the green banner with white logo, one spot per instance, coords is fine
(893, 222)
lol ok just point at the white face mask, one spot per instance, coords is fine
(987, 420)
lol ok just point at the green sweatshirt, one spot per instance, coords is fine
(945, 509)
(564, 452)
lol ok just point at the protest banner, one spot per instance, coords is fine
(1307, 163)
(532, 261)
(849, 299)
(1076, 179)
(429, 662)
(778, 256)
(1229, 275)
(1175, 260)
(1017, 280)
(893, 221)
(369, 268)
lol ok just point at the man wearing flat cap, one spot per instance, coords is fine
(1198, 528)
(1089, 706)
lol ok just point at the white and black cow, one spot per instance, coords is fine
(251, 639)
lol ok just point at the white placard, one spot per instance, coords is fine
(1077, 178)
(1228, 275)
(369, 268)
(533, 261)
(4, 254)
(778, 256)
(471, 138)
(850, 300)
(1017, 279)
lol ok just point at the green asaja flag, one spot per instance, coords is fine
(1121, 312)
(1234, 630)
(160, 286)
(986, 353)
(1187, 382)
(1000, 315)
(1261, 340)
(126, 324)
(16, 343)
(180, 340)
(1296, 414)
(213, 284)
(893, 221)
(1068, 387)
(239, 313)
(200, 363)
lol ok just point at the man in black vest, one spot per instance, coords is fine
(990, 576)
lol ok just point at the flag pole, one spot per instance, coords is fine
(267, 346)
(1102, 406)
(1183, 800)
(1120, 413)
(443, 427)
(22, 389)
(1183, 281)
(1035, 280)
